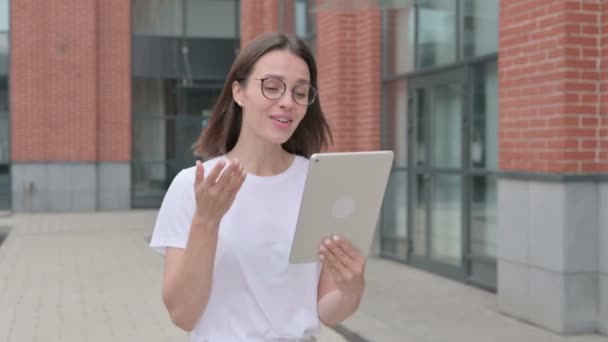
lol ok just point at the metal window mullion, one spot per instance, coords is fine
(427, 178)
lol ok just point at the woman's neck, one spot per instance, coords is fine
(261, 158)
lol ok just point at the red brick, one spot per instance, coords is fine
(258, 17)
(348, 44)
(549, 71)
(70, 80)
(54, 80)
(114, 80)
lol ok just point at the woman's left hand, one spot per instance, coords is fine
(345, 264)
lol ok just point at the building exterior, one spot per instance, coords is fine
(497, 111)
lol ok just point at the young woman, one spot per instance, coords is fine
(226, 225)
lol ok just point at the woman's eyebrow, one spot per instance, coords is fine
(298, 81)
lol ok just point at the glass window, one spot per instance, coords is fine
(3, 96)
(5, 187)
(153, 97)
(420, 141)
(396, 120)
(301, 18)
(484, 219)
(395, 206)
(4, 140)
(399, 41)
(157, 17)
(4, 54)
(419, 214)
(484, 132)
(150, 182)
(211, 66)
(211, 18)
(436, 44)
(197, 101)
(446, 219)
(479, 27)
(4, 14)
(446, 126)
(152, 139)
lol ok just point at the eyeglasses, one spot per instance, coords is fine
(273, 88)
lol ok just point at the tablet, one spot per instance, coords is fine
(342, 196)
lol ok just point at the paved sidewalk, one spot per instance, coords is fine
(91, 277)
(405, 304)
(84, 277)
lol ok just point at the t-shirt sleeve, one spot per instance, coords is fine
(174, 218)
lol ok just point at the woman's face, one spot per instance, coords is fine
(266, 113)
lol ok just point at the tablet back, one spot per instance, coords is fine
(343, 195)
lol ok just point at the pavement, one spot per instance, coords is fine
(91, 277)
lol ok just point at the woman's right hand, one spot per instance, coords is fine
(216, 191)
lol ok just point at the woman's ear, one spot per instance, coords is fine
(237, 93)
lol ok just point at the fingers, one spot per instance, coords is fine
(330, 255)
(335, 247)
(215, 172)
(199, 173)
(226, 176)
(349, 250)
(335, 274)
(343, 257)
(224, 180)
(237, 180)
(234, 183)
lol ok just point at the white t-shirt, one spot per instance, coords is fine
(256, 294)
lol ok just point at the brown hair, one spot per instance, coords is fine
(222, 131)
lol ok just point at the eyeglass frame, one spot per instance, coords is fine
(262, 80)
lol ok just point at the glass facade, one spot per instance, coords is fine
(5, 159)
(298, 17)
(182, 52)
(440, 116)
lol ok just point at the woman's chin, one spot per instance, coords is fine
(278, 139)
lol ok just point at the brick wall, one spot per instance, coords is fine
(257, 17)
(603, 166)
(53, 88)
(550, 86)
(348, 50)
(70, 91)
(114, 80)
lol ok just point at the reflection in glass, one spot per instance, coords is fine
(197, 101)
(157, 17)
(484, 216)
(5, 186)
(396, 120)
(484, 132)
(395, 205)
(400, 40)
(446, 126)
(4, 53)
(394, 212)
(420, 128)
(213, 19)
(153, 97)
(420, 215)
(4, 106)
(4, 140)
(479, 27)
(436, 33)
(4, 15)
(150, 181)
(150, 139)
(301, 18)
(446, 219)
